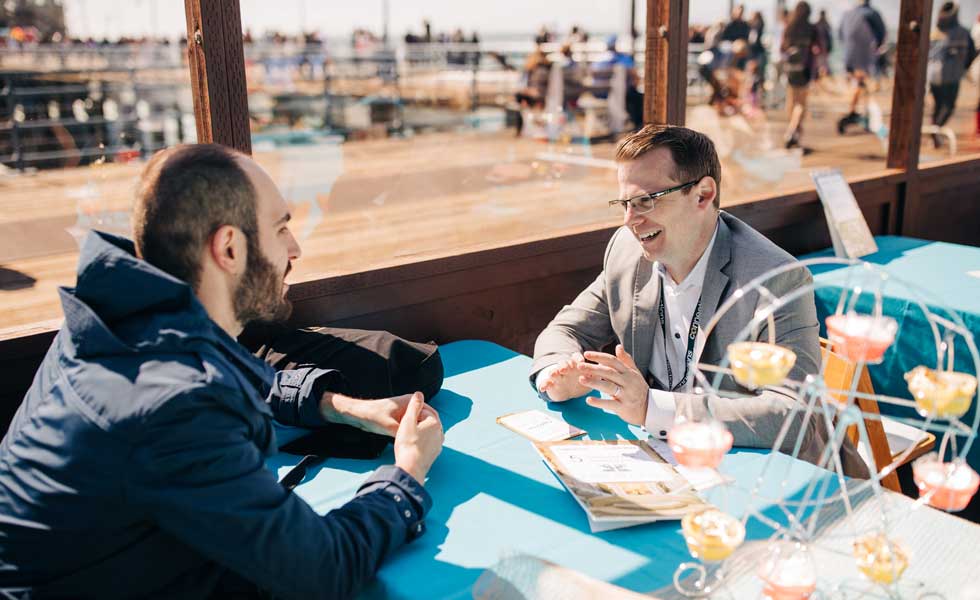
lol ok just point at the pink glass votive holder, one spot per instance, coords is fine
(699, 444)
(788, 572)
(952, 485)
(861, 338)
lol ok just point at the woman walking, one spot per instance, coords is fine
(798, 47)
(951, 51)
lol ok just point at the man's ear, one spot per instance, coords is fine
(227, 249)
(707, 190)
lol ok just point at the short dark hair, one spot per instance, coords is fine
(693, 152)
(185, 194)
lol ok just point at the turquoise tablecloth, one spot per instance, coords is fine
(944, 277)
(493, 495)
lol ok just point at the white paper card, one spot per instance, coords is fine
(849, 231)
(611, 464)
(539, 426)
(700, 479)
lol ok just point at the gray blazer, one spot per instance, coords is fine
(621, 306)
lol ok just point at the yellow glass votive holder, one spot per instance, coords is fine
(941, 394)
(952, 485)
(699, 444)
(711, 534)
(861, 338)
(880, 559)
(788, 572)
(755, 364)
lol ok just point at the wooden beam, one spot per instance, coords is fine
(665, 70)
(217, 64)
(905, 131)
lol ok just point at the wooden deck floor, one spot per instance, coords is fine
(375, 203)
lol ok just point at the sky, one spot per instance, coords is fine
(112, 18)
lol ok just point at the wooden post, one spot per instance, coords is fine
(908, 94)
(905, 129)
(665, 74)
(217, 64)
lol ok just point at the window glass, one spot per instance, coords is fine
(951, 119)
(783, 93)
(83, 103)
(446, 130)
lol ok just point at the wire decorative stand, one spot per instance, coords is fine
(940, 396)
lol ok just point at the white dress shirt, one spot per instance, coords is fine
(680, 301)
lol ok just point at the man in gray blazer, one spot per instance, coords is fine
(666, 272)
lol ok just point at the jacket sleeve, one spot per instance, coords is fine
(877, 26)
(200, 477)
(295, 395)
(582, 325)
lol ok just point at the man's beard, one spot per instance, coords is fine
(258, 295)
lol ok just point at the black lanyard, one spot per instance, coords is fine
(691, 338)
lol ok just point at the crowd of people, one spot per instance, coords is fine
(580, 73)
(741, 60)
(735, 59)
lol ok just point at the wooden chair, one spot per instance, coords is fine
(838, 374)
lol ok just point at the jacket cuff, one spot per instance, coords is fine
(297, 392)
(411, 499)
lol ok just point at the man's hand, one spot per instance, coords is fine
(377, 416)
(617, 377)
(419, 438)
(563, 382)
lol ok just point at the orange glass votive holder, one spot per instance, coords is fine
(755, 364)
(952, 485)
(942, 394)
(861, 338)
(880, 559)
(699, 444)
(711, 534)
(788, 573)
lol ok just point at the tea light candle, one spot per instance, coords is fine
(755, 364)
(861, 337)
(942, 394)
(698, 444)
(788, 572)
(712, 535)
(880, 559)
(952, 485)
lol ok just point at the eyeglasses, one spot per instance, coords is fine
(647, 202)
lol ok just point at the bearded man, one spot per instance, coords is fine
(135, 466)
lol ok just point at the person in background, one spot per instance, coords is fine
(602, 73)
(537, 70)
(725, 67)
(738, 28)
(862, 31)
(135, 465)
(799, 46)
(825, 42)
(573, 77)
(951, 52)
(757, 51)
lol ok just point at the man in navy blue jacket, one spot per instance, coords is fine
(135, 466)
